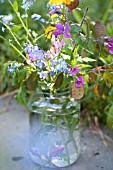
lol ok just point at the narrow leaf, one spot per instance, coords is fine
(15, 6)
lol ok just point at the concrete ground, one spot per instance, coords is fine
(14, 144)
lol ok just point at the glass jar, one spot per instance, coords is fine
(54, 129)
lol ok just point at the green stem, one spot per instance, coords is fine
(18, 15)
(2, 38)
(12, 34)
(17, 51)
(27, 26)
(14, 48)
(71, 134)
(65, 143)
(39, 37)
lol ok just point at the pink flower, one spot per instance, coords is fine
(58, 45)
(55, 9)
(56, 151)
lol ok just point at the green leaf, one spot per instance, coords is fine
(15, 6)
(16, 28)
(21, 96)
(66, 57)
(74, 62)
(109, 119)
(85, 66)
(66, 81)
(76, 50)
(85, 59)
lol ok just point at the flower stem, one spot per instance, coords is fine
(2, 38)
(71, 135)
(65, 144)
(12, 34)
(18, 15)
(17, 51)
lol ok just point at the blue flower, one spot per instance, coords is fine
(27, 4)
(52, 73)
(40, 64)
(24, 16)
(37, 17)
(3, 29)
(34, 52)
(42, 20)
(43, 74)
(28, 48)
(54, 62)
(7, 18)
(62, 66)
(15, 65)
(10, 69)
(1, 16)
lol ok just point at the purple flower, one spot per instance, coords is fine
(109, 44)
(74, 70)
(79, 81)
(62, 30)
(56, 151)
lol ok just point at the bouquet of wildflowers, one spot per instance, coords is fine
(76, 54)
(69, 58)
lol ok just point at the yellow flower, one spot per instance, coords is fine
(59, 2)
(49, 30)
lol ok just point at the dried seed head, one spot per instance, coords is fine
(99, 29)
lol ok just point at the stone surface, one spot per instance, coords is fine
(14, 144)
